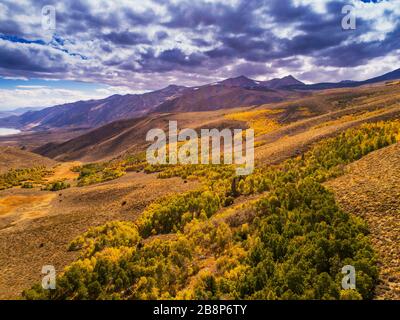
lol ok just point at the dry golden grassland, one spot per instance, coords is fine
(259, 120)
(371, 190)
(36, 226)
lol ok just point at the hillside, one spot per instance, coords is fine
(30, 140)
(128, 136)
(175, 151)
(370, 189)
(275, 234)
(38, 225)
(219, 96)
(14, 158)
(336, 108)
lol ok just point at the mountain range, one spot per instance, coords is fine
(18, 111)
(229, 93)
(92, 113)
(393, 75)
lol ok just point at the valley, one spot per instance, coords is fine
(38, 225)
(168, 152)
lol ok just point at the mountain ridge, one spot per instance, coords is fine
(392, 75)
(92, 113)
(228, 93)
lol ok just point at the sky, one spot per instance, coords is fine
(95, 48)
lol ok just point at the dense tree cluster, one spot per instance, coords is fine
(56, 186)
(23, 177)
(289, 242)
(98, 172)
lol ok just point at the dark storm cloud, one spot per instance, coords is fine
(288, 62)
(197, 15)
(140, 19)
(126, 38)
(201, 42)
(22, 60)
(236, 28)
(356, 53)
(319, 32)
(251, 70)
(161, 35)
(189, 39)
(253, 49)
(241, 35)
(168, 60)
(9, 26)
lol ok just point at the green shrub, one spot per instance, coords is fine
(56, 186)
(291, 243)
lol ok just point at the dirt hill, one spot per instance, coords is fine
(13, 158)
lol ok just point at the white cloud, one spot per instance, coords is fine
(31, 87)
(41, 96)
(376, 67)
(118, 64)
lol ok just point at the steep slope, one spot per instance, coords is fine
(371, 190)
(220, 96)
(37, 225)
(319, 114)
(123, 136)
(92, 113)
(13, 158)
(240, 81)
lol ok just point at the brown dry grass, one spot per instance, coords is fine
(296, 138)
(371, 190)
(62, 171)
(27, 205)
(15, 158)
(28, 244)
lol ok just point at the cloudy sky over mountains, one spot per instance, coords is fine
(136, 46)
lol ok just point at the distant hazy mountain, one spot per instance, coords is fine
(18, 111)
(4, 114)
(393, 75)
(92, 113)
